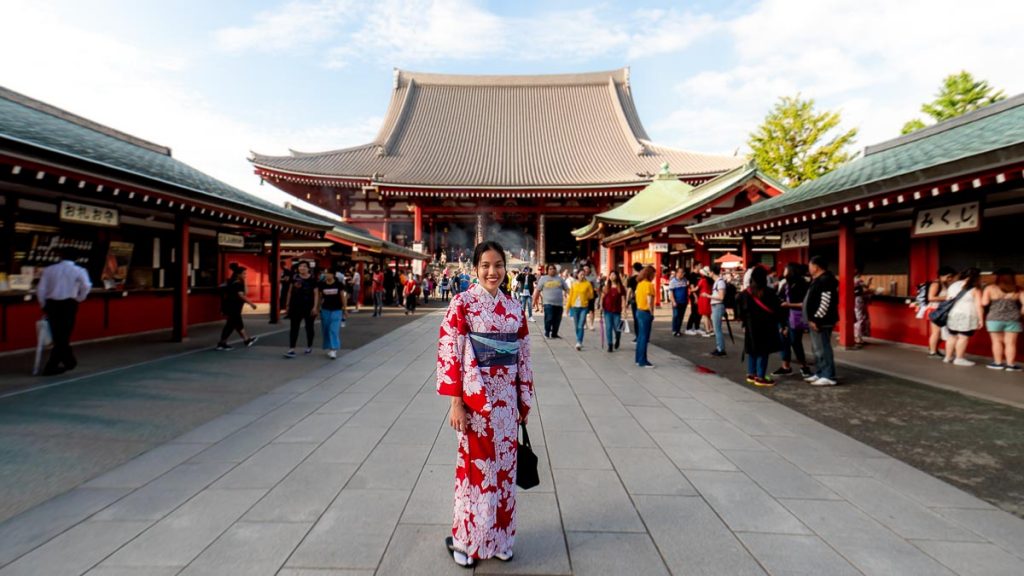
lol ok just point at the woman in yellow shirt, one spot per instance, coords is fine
(644, 315)
(580, 295)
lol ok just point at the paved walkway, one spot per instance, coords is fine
(348, 470)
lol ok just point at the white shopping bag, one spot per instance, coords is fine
(43, 339)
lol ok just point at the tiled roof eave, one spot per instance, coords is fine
(924, 179)
(188, 191)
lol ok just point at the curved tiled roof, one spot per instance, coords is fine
(506, 131)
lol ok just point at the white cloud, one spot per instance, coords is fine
(294, 24)
(875, 60)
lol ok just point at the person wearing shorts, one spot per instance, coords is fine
(1004, 301)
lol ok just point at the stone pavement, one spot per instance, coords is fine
(348, 470)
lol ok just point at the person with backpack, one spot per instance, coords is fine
(792, 290)
(678, 289)
(719, 288)
(761, 313)
(929, 295)
(232, 300)
(821, 309)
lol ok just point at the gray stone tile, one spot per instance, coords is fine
(298, 386)
(621, 433)
(377, 413)
(658, 419)
(690, 409)
(595, 501)
(693, 539)
(614, 554)
(1001, 528)
(179, 538)
(353, 532)
(791, 554)
(567, 418)
(973, 559)
(556, 395)
(540, 543)
(267, 467)
(76, 550)
(217, 429)
(743, 505)
(689, 451)
(303, 495)
(414, 430)
(263, 404)
(754, 422)
(244, 443)
(446, 447)
(432, 500)
(919, 485)
(346, 402)
(868, 545)
(418, 550)
(812, 458)
(649, 471)
(896, 511)
(778, 476)
(161, 496)
(248, 549)
(577, 450)
(34, 527)
(725, 436)
(601, 405)
(134, 571)
(314, 428)
(144, 468)
(391, 467)
(349, 445)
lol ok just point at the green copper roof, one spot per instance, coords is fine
(50, 131)
(978, 140)
(664, 192)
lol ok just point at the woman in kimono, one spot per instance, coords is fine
(483, 363)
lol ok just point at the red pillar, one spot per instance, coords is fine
(627, 262)
(700, 254)
(181, 288)
(610, 266)
(275, 278)
(845, 273)
(417, 223)
(657, 278)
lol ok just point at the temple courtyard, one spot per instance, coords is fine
(347, 468)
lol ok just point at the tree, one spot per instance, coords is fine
(959, 94)
(795, 143)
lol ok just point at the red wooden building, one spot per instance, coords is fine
(521, 159)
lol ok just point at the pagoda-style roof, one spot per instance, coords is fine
(353, 235)
(33, 129)
(698, 200)
(664, 192)
(565, 130)
(985, 139)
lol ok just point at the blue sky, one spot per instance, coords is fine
(213, 80)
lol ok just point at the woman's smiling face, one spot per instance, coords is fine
(491, 270)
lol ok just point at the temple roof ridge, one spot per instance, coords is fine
(619, 76)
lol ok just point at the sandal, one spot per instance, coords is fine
(460, 557)
(504, 557)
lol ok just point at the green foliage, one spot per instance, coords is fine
(795, 143)
(959, 94)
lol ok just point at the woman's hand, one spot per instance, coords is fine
(458, 417)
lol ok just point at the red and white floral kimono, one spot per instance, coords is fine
(494, 329)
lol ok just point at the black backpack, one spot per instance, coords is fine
(730, 296)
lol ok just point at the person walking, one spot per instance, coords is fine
(551, 290)
(357, 288)
(409, 293)
(704, 302)
(693, 322)
(287, 272)
(1004, 301)
(719, 288)
(678, 296)
(861, 314)
(792, 290)
(821, 309)
(761, 313)
(303, 302)
(62, 287)
(526, 283)
(644, 315)
(581, 295)
(377, 287)
(613, 297)
(332, 298)
(592, 305)
(445, 283)
(964, 317)
(934, 295)
(631, 284)
(483, 364)
(233, 298)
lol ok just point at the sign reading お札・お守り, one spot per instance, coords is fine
(948, 219)
(88, 214)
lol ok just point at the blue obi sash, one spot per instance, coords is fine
(495, 348)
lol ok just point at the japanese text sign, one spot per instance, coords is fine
(796, 238)
(87, 214)
(948, 219)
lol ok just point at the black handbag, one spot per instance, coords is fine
(940, 316)
(526, 463)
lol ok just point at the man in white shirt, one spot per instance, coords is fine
(61, 287)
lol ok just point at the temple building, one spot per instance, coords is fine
(521, 159)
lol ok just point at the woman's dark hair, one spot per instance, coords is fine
(794, 270)
(487, 246)
(236, 270)
(648, 273)
(758, 281)
(946, 271)
(1006, 280)
(820, 262)
(971, 277)
(617, 282)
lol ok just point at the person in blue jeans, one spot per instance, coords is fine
(550, 290)
(678, 295)
(332, 302)
(718, 290)
(613, 297)
(821, 311)
(761, 313)
(581, 294)
(644, 315)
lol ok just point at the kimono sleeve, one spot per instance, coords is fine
(524, 369)
(454, 329)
